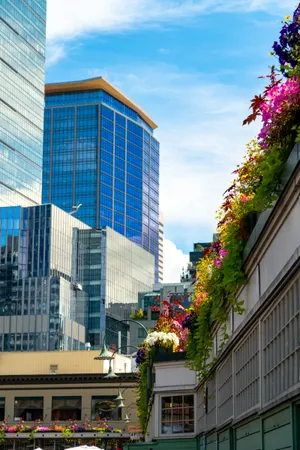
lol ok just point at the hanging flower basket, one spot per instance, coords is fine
(161, 340)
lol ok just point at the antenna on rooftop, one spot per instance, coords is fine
(75, 209)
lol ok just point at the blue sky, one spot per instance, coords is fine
(193, 66)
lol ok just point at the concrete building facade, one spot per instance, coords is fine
(55, 387)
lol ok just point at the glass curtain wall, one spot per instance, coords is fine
(98, 153)
(22, 61)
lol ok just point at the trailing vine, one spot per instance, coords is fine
(142, 400)
(67, 433)
(256, 186)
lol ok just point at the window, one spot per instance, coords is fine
(105, 408)
(65, 408)
(29, 408)
(141, 333)
(177, 414)
(2, 408)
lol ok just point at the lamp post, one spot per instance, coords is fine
(127, 418)
(104, 353)
(106, 356)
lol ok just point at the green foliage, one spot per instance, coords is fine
(138, 315)
(199, 343)
(142, 405)
(262, 185)
(32, 434)
(67, 433)
(2, 436)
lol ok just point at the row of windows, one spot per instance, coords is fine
(134, 154)
(106, 187)
(33, 30)
(21, 56)
(64, 408)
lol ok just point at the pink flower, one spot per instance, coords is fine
(223, 253)
(184, 334)
(244, 198)
(11, 430)
(200, 299)
(217, 263)
(176, 325)
(278, 100)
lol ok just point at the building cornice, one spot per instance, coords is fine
(65, 379)
(98, 83)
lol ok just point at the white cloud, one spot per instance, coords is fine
(55, 52)
(70, 18)
(201, 135)
(174, 261)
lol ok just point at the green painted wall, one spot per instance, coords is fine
(165, 444)
(248, 436)
(278, 431)
(275, 431)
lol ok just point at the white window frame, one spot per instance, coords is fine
(179, 435)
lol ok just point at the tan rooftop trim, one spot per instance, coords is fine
(94, 84)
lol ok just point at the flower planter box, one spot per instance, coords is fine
(58, 435)
(159, 350)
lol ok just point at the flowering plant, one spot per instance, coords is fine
(288, 47)
(72, 426)
(162, 339)
(168, 332)
(254, 188)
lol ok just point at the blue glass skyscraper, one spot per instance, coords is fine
(100, 153)
(22, 61)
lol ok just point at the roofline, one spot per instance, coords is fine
(95, 84)
(85, 378)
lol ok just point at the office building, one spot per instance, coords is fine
(100, 153)
(38, 310)
(189, 273)
(63, 284)
(112, 270)
(22, 62)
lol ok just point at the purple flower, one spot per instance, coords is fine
(188, 321)
(140, 356)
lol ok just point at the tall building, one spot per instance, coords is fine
(189, 273)
(63, 284)
(22, 62)
(100, 153)
(38, 307)
(112, 270)
(161, 249)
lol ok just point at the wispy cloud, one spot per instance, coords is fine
(68, 19)
(201, 137)
(55, 52)
(164, 51)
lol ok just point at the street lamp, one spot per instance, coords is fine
(104, 353)
(111, 373)
(127, 417)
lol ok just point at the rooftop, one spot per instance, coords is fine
(59, 363)
(94, 84)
